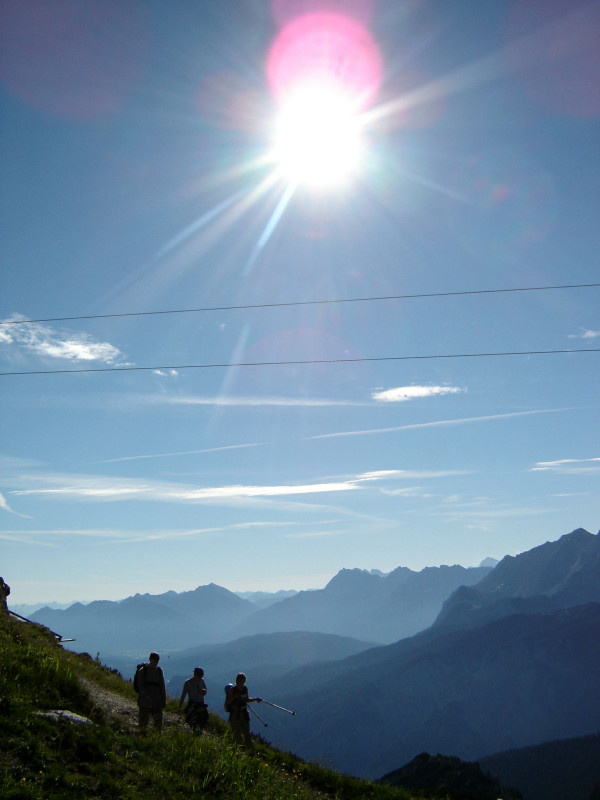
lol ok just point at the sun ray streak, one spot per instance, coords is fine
(200, 223)
(525, 52)
(269, 228)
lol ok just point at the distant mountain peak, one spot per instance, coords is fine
(489, 562)
(556, 574)
(352, 580)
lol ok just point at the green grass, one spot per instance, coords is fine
(45, 759)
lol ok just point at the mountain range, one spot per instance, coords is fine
(549, 577)
(367, 605)
(381, 668)
(517, 680)
(356, 603)
(141, 623)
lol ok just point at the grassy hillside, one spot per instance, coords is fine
(51, 759)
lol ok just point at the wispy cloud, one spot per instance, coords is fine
(408, 474)
(585, 333)
(125, 536)
(26, 538)
(572, 466)
(570, 494)
(95, 488)
(180, 453)
(113, 536)
(101, 488)
(245, 401)
(5, 507)
(314, 534)
(45, 341)
(438, 423)
(463, 513)
(403, 393)
(166, 373)
(408, 491)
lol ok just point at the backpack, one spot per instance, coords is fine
(136, 682)
(228, 697)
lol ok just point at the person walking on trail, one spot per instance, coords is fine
(149, 683)
(236, 703)
(196, 711)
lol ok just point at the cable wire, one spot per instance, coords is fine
(297, 363)
(302, 303)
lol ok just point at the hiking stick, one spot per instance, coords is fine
(281, 708)
(256, 715)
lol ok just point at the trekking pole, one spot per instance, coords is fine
(281, 708)
(256, 715)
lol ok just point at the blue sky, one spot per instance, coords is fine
(137, 177)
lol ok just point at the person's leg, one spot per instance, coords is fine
(143, 716)
(157, 718)
(198, 717)
(236, 730)
(245, 726)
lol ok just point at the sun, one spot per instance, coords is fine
(318, 138)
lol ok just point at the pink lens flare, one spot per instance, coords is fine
(330, 50)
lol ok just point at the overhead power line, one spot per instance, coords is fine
(299, 362)
(302, 303)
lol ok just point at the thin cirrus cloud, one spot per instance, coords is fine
(5, 507)
(105, 489)
(572, 466)
(403, 393)
(438, 423)
(491, 513)
(49, 536)
(98, 488)
(181, 453)
(248, 401)
(45, 341)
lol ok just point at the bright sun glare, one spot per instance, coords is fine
(318, 137)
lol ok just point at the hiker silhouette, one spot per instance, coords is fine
(236, 703)
(149, 683)
(196, 711)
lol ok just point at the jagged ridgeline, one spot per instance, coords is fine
(91, 753)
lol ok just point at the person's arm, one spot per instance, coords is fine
(163, 691)
(182, 698)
